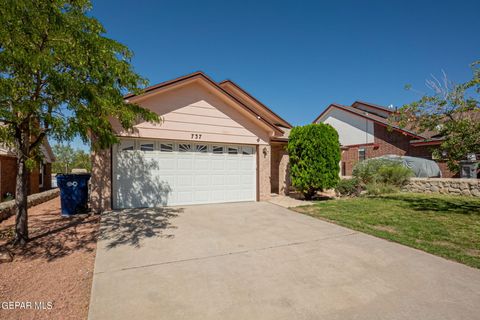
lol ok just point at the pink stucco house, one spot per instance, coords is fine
(216, 143)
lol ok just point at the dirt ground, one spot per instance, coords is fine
(54, 270)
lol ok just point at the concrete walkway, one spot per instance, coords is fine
(261, 261)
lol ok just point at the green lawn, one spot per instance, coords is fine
(447, 226)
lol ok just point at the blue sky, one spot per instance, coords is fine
(299, 56)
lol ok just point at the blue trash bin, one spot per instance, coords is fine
(73, 193)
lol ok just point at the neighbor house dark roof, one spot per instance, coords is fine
(373, 105)
(421, 137)
(375, 118)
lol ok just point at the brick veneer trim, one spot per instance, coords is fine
(389, 142)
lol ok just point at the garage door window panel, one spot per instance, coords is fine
(247, 150)
(218, 149)
(166, 147)
(147, 146)
(232, 150)
(127, 145)
(183, 147)
(201, 148)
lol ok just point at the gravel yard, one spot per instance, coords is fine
(55, 268)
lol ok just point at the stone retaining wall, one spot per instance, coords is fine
(7, 208)
(466, 187)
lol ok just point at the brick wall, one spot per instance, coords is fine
(33, 181)
(276, 149)
(8, 172)
(280, 176)
(389, 142)
(101, 181)
(47, 183)
(264, 172)
(349, 159)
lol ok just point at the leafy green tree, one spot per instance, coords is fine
(67, 159)
(453, 111)
(314, 152)
(64, 156)
(82, 160)
(59, 77)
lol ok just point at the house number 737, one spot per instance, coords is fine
(196, 136)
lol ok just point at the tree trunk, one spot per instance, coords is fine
(21, 188)
(21, 221)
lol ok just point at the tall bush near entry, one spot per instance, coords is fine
(314, 152)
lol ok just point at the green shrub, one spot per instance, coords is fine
(396, 174)
(367, 171)
(348, 187)
(314, 153)
(379, 176)
(378, 188)
(381, 171)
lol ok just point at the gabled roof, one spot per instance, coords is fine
(422, 138)
(279, 120)
(372, 105)
(48, 150)
(363, 114)
(45, 148)
(216, 86)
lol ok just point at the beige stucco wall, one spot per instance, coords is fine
(352, 129)
(195, 109)
(101, 183)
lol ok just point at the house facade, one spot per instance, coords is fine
(39, 178)
(365, 132)
(216, 143)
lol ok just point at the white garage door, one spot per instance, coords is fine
(159, 173)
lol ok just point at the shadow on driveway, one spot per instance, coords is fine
(131, 226)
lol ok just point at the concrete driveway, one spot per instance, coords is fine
(261, 261)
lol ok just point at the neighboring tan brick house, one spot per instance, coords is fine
(364, 133)
(40, 177)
